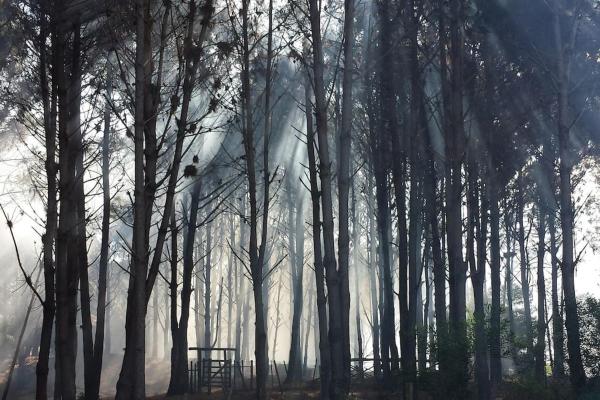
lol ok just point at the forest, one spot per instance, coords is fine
(300, 199)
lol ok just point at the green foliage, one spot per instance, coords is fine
(525, 388)
(589, 323)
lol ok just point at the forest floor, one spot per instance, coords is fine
(510, 390)
(515, 388)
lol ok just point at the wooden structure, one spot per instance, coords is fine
(213, 368)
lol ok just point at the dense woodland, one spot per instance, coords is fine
(392, 196)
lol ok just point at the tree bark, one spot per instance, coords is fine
(524, 262)
(67, 262)
(294, 368)
(344, 178)
(336, 320)
(49, 100)
(455, 138)
(540, 346)
(557, 320)
(178, 383)
(373, 283)
(208, 288)
(564, 38)
(315, 194)
(495, 343)
(477, 230)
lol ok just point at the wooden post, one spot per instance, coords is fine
(209, 374)
(251, 374)
(278, 380)
(191, 377)
(241, 371)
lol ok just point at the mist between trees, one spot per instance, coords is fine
(358, 198)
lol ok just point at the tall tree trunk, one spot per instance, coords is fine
(390, 132)
(524, 262)
(315, 194)
(104, 244)
(230, 291)
(477, 226)
(426, 317)
(49, 100)
(373, 282)
(540, 346)
(198, 299)
(67, 261)
(256, 251)
(107, 317)
(308, 324)
(174, 264)
(557, 320)
(508, 280)
(208, 288)
(296, 223)
(154, 352)
(131, 383)
(277, 319)
(344, 178)
(241, 286)
(167, 318)
(564, 27)
(455, 138)
(334, 298)
(495, 344)
(355, 266)
(415, 206)
(439, 268)
(178, 383)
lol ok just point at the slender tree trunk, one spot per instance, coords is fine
(344, 181)
(294, 369)
(455, 150)
(427, 316)
(540, 346)
(67, 262)
(167, 317)
(277, 319)
(208, 287)
(198, 303)
(415, 210)
(564, 36)
(557, 321)
(131, 383)
(524, 262)
(179, 353)
(334, 297)
(373, 283)
(49, 100)
(307, 324)
(508, 227)
(241, 287)
(495, 344)
(154, 352)
(230, 292)
(174, 264)
(439, 268)
(355, 266)
(390, 132)
(477, 226)
(104, 244)
(107, 317)
(315, 194)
